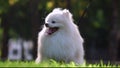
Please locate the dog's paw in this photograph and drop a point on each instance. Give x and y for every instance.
(38, 60)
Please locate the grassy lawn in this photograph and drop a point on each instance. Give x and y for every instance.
(51, 63)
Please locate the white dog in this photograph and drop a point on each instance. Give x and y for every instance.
(60, 39)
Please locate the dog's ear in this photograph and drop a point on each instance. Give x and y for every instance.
(66, 13)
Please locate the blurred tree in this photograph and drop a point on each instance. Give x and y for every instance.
(34, 19)
(68, 4)
(5, 26)
(4, 47)
(113, 38)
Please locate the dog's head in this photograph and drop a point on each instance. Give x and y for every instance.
(57, 19)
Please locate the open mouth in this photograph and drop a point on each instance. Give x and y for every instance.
(52, 30)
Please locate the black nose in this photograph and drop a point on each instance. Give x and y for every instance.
(47, 25)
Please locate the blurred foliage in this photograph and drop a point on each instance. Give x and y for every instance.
(96, 18)
(95, 25)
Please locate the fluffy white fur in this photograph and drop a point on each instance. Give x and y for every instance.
(66, 44)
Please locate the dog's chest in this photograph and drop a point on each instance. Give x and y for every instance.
(59, 46)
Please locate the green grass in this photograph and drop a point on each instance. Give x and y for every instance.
(51, 63)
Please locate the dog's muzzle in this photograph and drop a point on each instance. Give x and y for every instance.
(51, 30)
(47, 25)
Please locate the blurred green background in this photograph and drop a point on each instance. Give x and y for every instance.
(100, 26)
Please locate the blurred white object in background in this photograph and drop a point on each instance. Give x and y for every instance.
(28, 45)
(19, 49)
(14, 49)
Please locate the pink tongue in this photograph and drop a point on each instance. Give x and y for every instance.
(50, 31)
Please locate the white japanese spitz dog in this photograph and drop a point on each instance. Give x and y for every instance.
(60, 39)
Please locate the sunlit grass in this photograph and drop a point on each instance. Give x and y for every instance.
(51, 63)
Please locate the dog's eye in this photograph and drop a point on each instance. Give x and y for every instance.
(53, 22)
